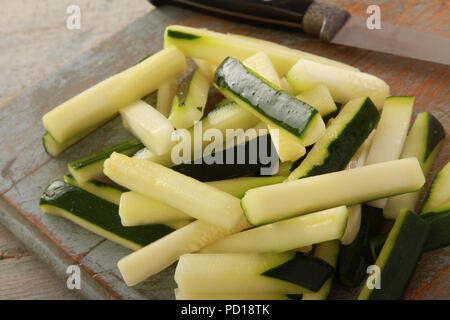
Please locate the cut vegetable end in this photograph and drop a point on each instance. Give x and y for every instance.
(149, 125)
(101, 102)
(91, 167)
(341, 140)
(402, 251)
(97, 215)
(179, 191)
(287, 234)
(272, 203)
(138, 266)
(268, 103)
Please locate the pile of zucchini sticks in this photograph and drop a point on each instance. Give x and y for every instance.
(320, 158)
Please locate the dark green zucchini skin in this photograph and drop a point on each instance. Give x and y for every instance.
(342, 149)
(99, 212)
(273, 103)
(436, 133)
(398, 267)
(128, 148)
(438, 237)
(205, 170)
(303, 269)
(357, 256)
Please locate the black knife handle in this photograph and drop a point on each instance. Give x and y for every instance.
(319, 19)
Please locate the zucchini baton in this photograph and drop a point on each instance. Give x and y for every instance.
(102, 101)
(341, 140)
(424, 142)
(97, 215)
(267, 102)
(391, 133)
(272, 203)
(91, 167)
(288, 272)
(286, 235)
(398, 258)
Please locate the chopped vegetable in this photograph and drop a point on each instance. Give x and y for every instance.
(272, 203)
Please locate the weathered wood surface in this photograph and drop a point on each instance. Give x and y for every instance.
(26, 169)
(35, 42)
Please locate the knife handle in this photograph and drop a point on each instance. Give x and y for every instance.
(319, 19)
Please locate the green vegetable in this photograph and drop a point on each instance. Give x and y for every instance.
(269, 103)
(341, 140)
(91, 167)
(398, 258)
(97, 215)
(288, 272)
(439, 193)
(286, 235)
(272, 203)
(424, 141)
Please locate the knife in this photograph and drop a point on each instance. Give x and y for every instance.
(331, 24)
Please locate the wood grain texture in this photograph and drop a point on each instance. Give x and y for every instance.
(26, 169)
(34, 42)
(34, 39)
(24, 276)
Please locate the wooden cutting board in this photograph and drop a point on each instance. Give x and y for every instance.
(25, 169)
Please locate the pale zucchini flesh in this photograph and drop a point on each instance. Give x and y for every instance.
(102, 190)
(136, 209)
(139, 265)
(286, 235)
(288, 148)
(186, 194)
(354, 211)
(228, 116)
(390, 136)
(267, 102)
(424, 142)
(91, 167)
(165, 95)
(272, 203)
(344, 85)
(215, 47)
(149, 126)
(229, 273)
(341, 140)
(320, 98)
(104, 100)
(189, 103)
(439, 192)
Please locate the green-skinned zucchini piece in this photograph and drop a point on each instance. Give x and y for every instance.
(286, 235)
(439, 193)
(348, 187)
(215, 47)
(289, 273)
(268, 102)
(101, 102)
(329, 252)
(424, 142)
(357, 256)
(398, 257)
(91, 167)
(97, 215)
(189, 101)
(341, 140)
(100, 189)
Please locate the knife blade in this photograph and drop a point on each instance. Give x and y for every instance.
(331, 24)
